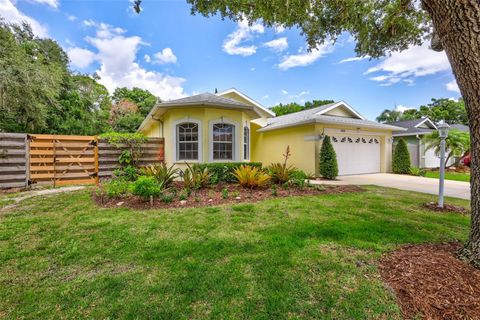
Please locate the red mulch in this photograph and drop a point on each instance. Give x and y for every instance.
(212, 196)
(446, 208)
(430, 282)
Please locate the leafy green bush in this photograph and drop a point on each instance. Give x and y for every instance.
(251, 177)
(146, 187)
(115, 188)
(222, 171)
(224, 193)
(163, 174)
(328, 166)
(167, 197)
(401, 158)
(415, 171)
(129, 173)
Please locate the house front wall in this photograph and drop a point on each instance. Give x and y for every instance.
(268, 147)
(166, 127)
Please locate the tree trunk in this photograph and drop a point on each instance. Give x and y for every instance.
(457, 23)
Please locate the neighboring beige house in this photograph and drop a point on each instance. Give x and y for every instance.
(230, 126)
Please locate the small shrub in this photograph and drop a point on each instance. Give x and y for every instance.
(299, 178)
(415, 171)
(328, 166)
(320, 187)
(401, 158)
(146, 187)
(163, 174)
(167, 197)
(274, 190)
(129, 173)
(251, 177)
(224, 193)
(235, 194)
(280, 172)
(184, 194)
(116, 188)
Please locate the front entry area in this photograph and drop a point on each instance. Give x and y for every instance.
(357, 154)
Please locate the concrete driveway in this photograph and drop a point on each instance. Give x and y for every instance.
(456, 189)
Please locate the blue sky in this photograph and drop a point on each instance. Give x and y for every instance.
(172, 53)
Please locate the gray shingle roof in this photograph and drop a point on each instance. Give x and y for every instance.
(205, 98)
(460, 127)
(311, 116)
(410, 125)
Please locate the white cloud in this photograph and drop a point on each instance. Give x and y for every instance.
(147, 58)
(11, 14)
(89, 23)
(402, 108)
(71, 17)
(284, 91)
(265, 97)
(352, 59)
(165, 56)
(277, 45)
(279, 29)
(117, 55)
(51, 3)
(416, 61)
(232, 44)
(296, 96)
(304, 58)
(80, 58)
(252, 69)
(453, 86)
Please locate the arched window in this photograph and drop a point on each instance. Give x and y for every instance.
(187, 141)
(223, 141)
(246, 143)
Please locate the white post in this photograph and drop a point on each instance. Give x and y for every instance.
(442, 173)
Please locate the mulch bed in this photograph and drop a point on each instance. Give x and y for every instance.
(430, 282)
(212, 196)
(447, 208)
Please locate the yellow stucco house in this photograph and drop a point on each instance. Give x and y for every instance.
(230, 126)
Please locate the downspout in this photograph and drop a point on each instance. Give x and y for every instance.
(419, 151)
(161, 131)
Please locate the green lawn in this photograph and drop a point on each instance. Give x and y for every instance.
(305, 257)
(457, 176)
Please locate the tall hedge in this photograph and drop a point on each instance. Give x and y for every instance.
(328, 160)
(401, 158)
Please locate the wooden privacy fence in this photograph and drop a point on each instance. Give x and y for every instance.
(63, 159)
(13, 160)
(152, 152)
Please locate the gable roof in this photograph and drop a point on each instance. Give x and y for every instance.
(244, 96)
(413, 127)
(318, 115)
(198, 100)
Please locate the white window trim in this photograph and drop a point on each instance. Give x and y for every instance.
(236, 138)
(200, 138)
(247, 125)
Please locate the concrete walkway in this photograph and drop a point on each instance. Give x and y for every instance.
(456, 189)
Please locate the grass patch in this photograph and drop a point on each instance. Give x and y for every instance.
(298, 257)
(456, 176)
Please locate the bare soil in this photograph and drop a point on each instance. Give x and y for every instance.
(447, 208)
(430, 282)
(213, 196)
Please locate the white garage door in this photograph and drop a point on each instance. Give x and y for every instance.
(357, 154)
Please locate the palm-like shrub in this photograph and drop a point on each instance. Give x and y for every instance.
(456, 143)
(328, 166)
(281, 173)
(195, 177)
(401, 158)
(163, 174)
(251, 177)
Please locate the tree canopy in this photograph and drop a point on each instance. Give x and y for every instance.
(452, 111)
(39, 94)
(282, 109)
